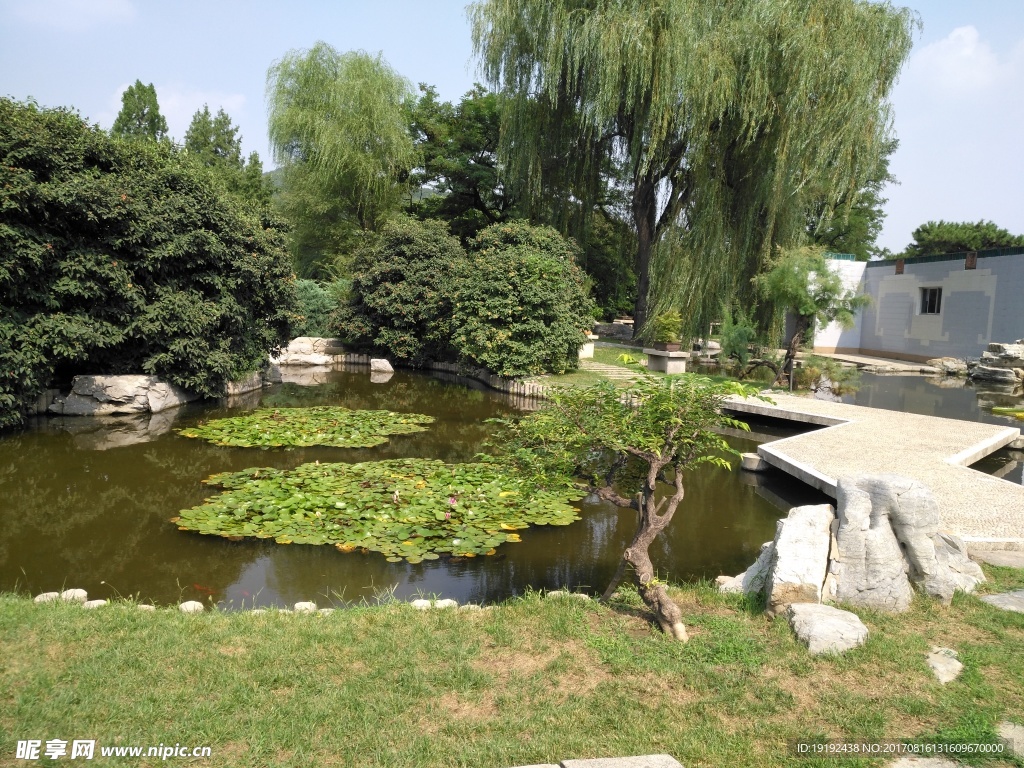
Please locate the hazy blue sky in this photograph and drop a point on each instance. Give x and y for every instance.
(959, 105)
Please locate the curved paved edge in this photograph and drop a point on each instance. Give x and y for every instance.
(987, 512)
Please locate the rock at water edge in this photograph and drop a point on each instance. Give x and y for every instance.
(90, 604)
(74, 595)
(800, 559)
(824, 629)
(752, 580)
(47, 597)
(191, 606)
(379, 365)
(307, 607)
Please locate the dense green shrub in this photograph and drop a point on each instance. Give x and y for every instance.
(401, 291)
(520, 305)
(318, 304)
(122, 257)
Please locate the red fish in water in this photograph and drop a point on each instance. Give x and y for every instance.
(204, 590)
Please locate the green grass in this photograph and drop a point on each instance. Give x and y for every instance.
(530, 681)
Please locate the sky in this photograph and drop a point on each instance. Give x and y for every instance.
(959, 104)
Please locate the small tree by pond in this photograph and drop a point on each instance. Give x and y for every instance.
(620, 444)
(801, 281)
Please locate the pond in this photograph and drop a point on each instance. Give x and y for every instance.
(88, 502)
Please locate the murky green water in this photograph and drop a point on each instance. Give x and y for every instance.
(86, 503)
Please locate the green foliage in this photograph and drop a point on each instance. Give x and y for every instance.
(303, 427)
(458, 181)
(410, 509)
(800, 280)
(665, 327)
(608, 256)
(737, 334)
(843, 378)
(591, 433)
(853, 223)
(317, 306)
(212, 141)
(520, 304)
(121, 257)
(402, 287)
(937, 237)
(339, 129)
(721, 117)
(140, 116)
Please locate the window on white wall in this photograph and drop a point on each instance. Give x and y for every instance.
(931, 301)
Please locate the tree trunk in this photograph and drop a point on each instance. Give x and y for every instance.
(802, 324)
(644, 210)
(653, 592)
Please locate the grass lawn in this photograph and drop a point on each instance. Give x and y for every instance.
(530, 681)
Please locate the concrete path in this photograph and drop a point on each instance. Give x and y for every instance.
(876, 364)
(615, 372)
(987, 512)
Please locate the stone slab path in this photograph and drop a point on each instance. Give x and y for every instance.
(987, 512)
(615, 372)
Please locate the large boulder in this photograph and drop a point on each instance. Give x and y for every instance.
(1001, 362)
(949, 366)
(888, 540)
(883, 541)
(114, 395)
(799, 559)
(310, 350)
(824, 629)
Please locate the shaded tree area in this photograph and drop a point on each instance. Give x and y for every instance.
(123, 257)
(937, 237)
(854, 222)
(720, 119)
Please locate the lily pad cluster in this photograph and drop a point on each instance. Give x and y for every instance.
(1017, 412)
(303, 427)
(406, 509)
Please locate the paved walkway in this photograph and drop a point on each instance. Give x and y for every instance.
(987, 512)
(876, 364)
(616, 372)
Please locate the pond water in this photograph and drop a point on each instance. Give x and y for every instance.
(87, 503)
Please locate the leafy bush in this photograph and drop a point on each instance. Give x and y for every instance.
(520, 305)
(317, 305)
(666, 327)
(122, 257)
(839, 378)
(737, 334)
(402, 284)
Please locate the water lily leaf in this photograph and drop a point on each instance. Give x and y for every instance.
(303, 427)
(353, 506)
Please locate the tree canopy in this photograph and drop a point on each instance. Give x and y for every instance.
(800, 281)
(719, 117)
(458, 180)
(213, 141)
(123, 257)
(937, 237)
(338, 127)
(140, 116)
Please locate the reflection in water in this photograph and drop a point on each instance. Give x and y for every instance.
(88, 503)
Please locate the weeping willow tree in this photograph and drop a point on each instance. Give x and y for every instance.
(719, 115)
(338, 128)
